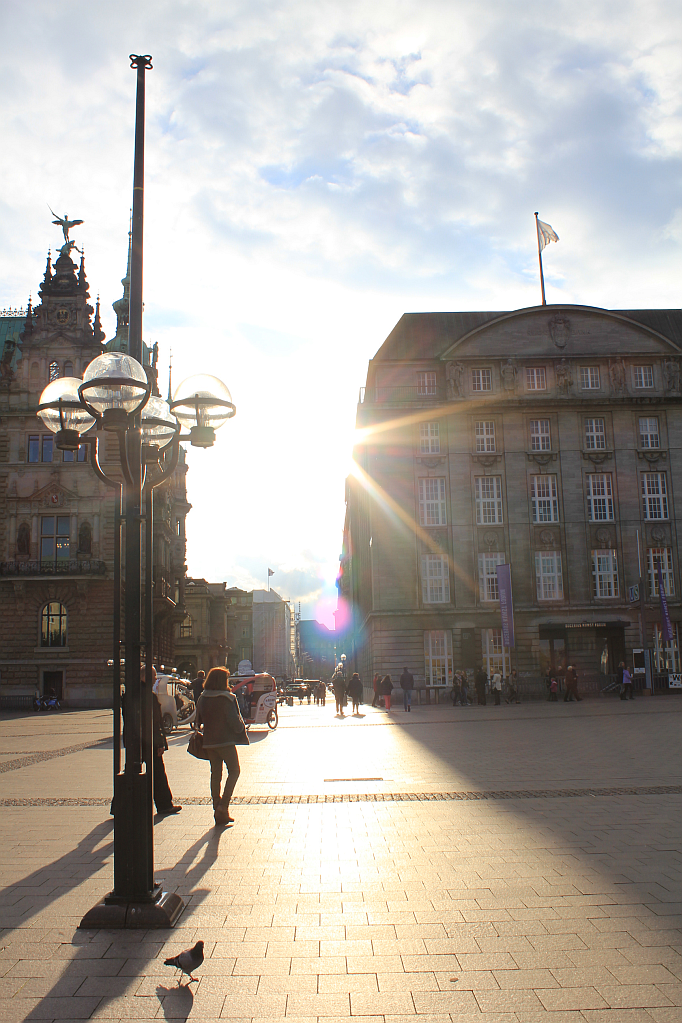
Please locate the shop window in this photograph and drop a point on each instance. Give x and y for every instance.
(666, 655)
(435, 579)
(437, 658)
(53, 624)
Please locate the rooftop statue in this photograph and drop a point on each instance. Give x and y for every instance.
(66, 226)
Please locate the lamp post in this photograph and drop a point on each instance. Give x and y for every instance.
(115, 396)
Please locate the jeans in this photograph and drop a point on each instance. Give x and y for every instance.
(407, 698)
(224, 755)
(162, 793)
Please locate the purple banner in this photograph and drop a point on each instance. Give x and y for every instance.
(666, 624)
(504, 587)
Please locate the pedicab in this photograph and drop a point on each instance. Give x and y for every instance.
(257, 697)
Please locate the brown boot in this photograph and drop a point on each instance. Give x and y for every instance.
(221, 815)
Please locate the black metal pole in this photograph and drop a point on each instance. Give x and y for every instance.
(147, 736)
(117, 635)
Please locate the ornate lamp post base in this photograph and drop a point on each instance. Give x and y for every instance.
(161, 910)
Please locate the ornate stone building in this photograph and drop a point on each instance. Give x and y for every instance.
(57, 518)
(548, 438)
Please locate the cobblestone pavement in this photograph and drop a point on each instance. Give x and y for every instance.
(518, 907)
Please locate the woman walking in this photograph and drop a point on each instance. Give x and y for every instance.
(355, 691)
(223, 729)
(386, 690)
(339, 684)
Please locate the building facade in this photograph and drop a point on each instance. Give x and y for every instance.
(57, 517)
(272, 634)
(547, 438)
(317, 645)
(201, 638)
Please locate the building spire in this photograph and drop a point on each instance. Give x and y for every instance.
(97, 331)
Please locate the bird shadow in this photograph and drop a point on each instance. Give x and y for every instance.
(177, 1002)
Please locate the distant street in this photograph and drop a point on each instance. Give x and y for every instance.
(561, 907)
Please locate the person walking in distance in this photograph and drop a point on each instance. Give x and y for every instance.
(376, 686)
(322, 693)
(339, 684)
(497, 687)
(571, 685)
(628, 687)
(407, 685)
(223, 730)
(355, 692)
(619, 679)
(386, 690)
(553, 690)
(163, 797)
(480, 681)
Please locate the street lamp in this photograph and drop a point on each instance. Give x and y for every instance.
(115, 396)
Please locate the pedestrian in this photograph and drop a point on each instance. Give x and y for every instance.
(355, 692)
(407, 685)
(376, 686)
(322, 693)
(619, 679)
(464, 688)
(386, 690)
(309, 692)
(497, 687)
(339, 684)
(513, 687)
(197, 685)
(223, 730)
(553, 689)
(629, 689)
(163, 797)
(455, 692)
(571, 685)
(480, 680)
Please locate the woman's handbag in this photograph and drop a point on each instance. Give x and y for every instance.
(195, 747)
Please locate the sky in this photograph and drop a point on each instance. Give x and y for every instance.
(315, 169)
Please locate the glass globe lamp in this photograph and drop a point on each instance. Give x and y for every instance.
(202, 404)
(114, 388)
(158, 424)
(63, 413)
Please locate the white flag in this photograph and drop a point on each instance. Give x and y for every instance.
(546, 234)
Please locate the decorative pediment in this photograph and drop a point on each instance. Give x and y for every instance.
(565, 330)
(54, 495)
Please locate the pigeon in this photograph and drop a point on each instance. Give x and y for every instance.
(189, 960)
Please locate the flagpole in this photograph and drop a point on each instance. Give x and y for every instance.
(542, 276)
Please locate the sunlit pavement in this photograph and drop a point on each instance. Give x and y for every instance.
(428, 873)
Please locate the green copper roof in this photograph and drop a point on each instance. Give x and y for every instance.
(10, 329)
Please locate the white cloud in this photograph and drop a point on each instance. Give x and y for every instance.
(315, 169)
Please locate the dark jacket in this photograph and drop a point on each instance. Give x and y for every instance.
(407, 680)
(218, 712)
(159, 740)
(355, 689)
(386, 686)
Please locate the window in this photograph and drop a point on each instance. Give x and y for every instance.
(589, 378)
(53, 622)
(437, 658)
(493, 652)
(667, 655)
(536, 379)
(664, 557)
(488, 493)
(599, 497)
(85, 539)
(484, 431)
(548, 578)
(543, 495)
(24, 539)
(649, 436)
(68, 369)
(481, 380)
(654, 495)
(540, 438)
(186, 628)
(432, 502)
(54, 539)
(644, 376)
(53, 371)
(595, 434)
(604, 574)
(83, 452)
(46, 447)
(34, 448)
(426, 383)
(487, 575)
(435, 579)
(40, 448)
(429, 438)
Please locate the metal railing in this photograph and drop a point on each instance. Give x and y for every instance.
(398, 395)
(70, 567)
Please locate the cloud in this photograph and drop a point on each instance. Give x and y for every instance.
(316, 169)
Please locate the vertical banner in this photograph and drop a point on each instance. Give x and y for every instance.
(504, 587)
(666, 624)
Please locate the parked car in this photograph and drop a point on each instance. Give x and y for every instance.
(177, 702)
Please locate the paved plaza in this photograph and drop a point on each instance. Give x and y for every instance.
(516, 864)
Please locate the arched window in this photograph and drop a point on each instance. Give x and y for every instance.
(85, 539)
(24, 539)
(68, 369)
(186, 628)
(53, 624)
(54, 371)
